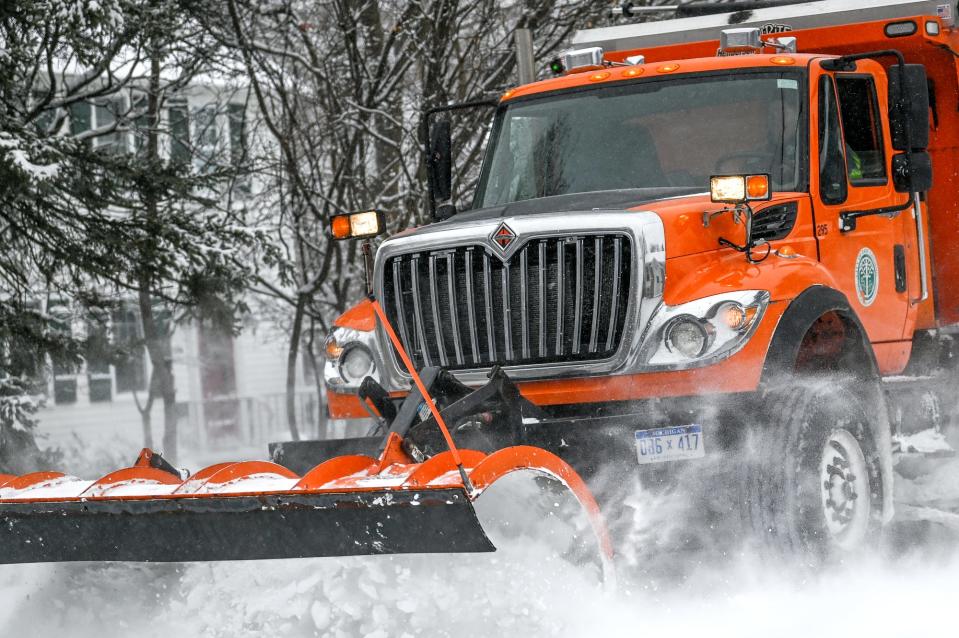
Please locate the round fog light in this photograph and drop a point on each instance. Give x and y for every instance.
(356, 363)
(687, 336)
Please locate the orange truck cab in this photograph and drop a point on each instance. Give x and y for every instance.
(719, 234)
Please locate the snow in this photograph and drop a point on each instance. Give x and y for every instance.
(670, 583)
(64, 487)
(467, 596)
(925, 441)
(264, 482)
(133, 487)
(20, 159)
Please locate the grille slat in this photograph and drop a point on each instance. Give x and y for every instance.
(614, 297)
(542, 298)
(400, 308)
(454, 307)
(560, 286)
(570, 305)
(578, 298)
(597, 287)
(524, 300)
(471, 307)
(435, 304)
(424, 349)
(488, 296)
(507, 315)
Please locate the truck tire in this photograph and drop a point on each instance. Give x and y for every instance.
(812, 487)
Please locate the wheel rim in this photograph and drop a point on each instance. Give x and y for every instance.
(844, 481)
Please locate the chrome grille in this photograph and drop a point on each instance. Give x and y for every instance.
(554, 300)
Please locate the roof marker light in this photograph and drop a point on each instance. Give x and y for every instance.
(599, 77)
(508, 94)
(900, 29)
(782, 59)
(667, 68)
(636, 71)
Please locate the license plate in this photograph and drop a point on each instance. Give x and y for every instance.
(670, 444)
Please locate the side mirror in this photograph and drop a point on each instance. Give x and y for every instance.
(439, 166)
(912, 172)
(909, 107)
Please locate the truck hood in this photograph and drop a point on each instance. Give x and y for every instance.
(681, 210)
(625, 199)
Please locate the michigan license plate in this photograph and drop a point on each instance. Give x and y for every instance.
(670, 444)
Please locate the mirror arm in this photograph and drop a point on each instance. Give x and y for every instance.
(847, 218)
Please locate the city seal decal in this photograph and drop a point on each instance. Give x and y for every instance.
(867, 277)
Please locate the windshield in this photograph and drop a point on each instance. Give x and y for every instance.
(652, 134)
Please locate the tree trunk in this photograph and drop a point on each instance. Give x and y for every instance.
(317, 368)
(170, 421)
(157, 347)
(291, 366)
(146, 411)
(146, 422)
(157, 338)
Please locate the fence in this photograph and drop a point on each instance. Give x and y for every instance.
(224, 421)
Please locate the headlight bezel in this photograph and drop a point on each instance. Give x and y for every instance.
(723, 340)
(342, 341)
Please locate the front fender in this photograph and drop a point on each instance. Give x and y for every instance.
(696, 276)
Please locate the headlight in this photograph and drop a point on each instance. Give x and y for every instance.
(356, 363)
(349, 359)
(703, 331)
(687, 336)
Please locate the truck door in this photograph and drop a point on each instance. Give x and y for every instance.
(851, 171)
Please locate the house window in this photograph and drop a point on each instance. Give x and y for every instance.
(141, 122)
(207, 138)
(64, 371)
(236, 115)
(81, 119)
(45, 119)
(97, 356)
(179, 122)
(85, 117)
(106, 113)
(130, 364)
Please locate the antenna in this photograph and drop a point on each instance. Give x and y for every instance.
(694, 9)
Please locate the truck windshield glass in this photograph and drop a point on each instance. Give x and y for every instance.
(653, 134)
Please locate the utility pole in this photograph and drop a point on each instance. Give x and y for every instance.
(523, 40)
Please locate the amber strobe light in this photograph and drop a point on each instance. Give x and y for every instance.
(369, 223)
(735, 189)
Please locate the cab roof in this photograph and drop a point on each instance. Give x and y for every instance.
(611, 74)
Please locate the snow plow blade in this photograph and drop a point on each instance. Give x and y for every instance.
(344, 506)
(378, 501)
(241, 527)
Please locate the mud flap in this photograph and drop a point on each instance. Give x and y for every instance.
(241, 527)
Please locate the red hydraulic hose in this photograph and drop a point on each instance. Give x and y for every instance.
(422, 388)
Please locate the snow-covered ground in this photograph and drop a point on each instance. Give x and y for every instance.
(470, 596)
(906, 588)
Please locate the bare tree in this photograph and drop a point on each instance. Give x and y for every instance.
(341, 88)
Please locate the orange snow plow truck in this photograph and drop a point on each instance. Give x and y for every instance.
(730, 235)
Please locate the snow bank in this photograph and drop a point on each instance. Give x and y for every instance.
(466, 596)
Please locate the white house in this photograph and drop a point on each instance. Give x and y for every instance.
(230, 390)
